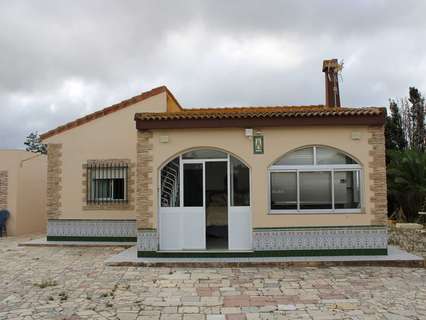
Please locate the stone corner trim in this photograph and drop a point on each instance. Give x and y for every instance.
(54, 180)
(129, 205)
(3, 189)
(144, 189)
(377, 167)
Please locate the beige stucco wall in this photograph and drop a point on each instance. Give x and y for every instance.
(110, 137)
(277, 141)
(32, 195)
(26, 190)
(172, 105)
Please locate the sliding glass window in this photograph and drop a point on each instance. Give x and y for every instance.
(315, 179)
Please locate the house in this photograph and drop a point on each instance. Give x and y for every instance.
(278, 180)
(23, 191)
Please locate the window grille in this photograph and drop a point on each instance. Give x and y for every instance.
(107, 183)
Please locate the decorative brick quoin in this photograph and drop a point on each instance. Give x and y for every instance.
(144, 191)
(378, 174)
(3, 189)
(54, 180)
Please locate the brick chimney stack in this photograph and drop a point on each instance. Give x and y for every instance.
(331, 69)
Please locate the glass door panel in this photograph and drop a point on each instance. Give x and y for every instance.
(239, 211)
(193, 185)
(193, 217)
(216, 186)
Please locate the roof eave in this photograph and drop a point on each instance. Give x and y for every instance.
(325, 120)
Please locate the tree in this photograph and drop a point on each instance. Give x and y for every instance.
(405, 156)
(394, 132)
(34, 144)
(407, 181)
(418, 119)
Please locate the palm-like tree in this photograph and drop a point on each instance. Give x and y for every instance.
(406, 175)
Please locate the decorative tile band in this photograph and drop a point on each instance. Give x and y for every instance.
(91, 228)
(320, 239)
(147, 240)
(300, 239)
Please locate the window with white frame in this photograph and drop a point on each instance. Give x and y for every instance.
(315, 179)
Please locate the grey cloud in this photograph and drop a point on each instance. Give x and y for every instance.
(62, 59)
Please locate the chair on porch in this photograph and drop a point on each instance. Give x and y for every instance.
(4, 215)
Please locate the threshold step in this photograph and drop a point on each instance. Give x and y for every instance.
(204, 251)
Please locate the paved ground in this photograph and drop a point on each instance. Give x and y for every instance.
(74, 283)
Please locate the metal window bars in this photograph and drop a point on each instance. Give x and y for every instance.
(170, 184)
(107, 182)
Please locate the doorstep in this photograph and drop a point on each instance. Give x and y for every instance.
(395, 258)
(42, 242)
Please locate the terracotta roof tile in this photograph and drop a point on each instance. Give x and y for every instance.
(260, 113)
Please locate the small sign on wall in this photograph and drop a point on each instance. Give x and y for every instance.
(164, 139)
(258, 145)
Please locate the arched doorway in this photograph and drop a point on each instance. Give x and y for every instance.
(205, 202)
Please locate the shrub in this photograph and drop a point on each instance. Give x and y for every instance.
(406, 179)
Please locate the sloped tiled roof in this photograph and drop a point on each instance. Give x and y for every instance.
(272, 116)
(235, 113)
(116, 107)
(260, 113)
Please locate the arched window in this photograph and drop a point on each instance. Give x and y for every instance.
(315, 179)
(185, 172)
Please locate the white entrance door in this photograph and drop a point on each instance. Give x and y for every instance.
(239, 210)
(193, 229)
(170, 227)
(184, 228)
(239, 226)
(193, 211)
(182, 212)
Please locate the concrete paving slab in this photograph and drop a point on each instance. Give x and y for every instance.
(74, 283)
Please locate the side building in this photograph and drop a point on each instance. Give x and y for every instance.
(23, 178)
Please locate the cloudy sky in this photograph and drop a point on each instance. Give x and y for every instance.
(62, 59)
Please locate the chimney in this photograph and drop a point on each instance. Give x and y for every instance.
(331, 69)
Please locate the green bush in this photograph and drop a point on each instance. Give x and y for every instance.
(406, 180)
